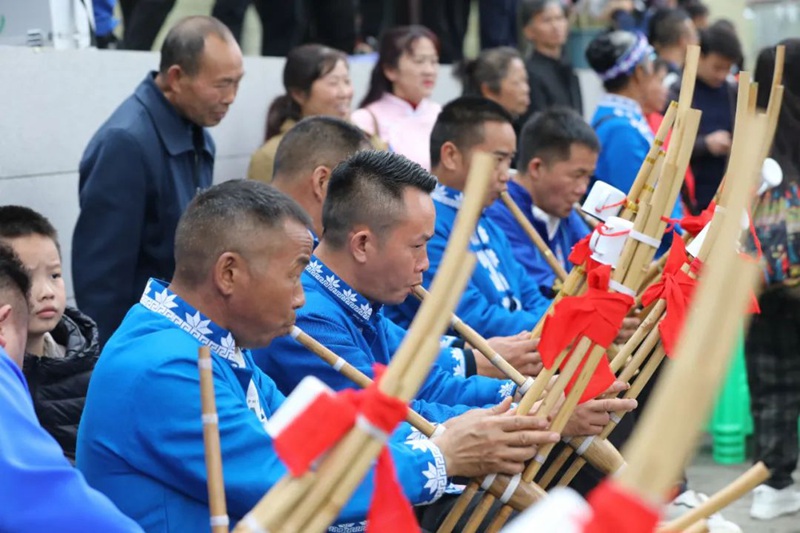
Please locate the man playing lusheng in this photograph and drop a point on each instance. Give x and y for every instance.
(500, 298)
(240, 249)
(558, 153)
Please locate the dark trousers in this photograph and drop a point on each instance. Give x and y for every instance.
(448, 20)
(773, 373)
(279, 22)
(142, 20)
(498, 23)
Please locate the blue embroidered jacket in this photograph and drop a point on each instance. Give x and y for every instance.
(141, 439)
(356, 330)
(500, 298)
(568, 232)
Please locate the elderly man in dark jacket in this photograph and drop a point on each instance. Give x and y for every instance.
(145, 164)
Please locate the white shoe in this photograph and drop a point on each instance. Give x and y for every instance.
(769, 503)
(688, 500)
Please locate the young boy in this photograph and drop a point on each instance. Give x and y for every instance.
(62, 345)
(40, 490)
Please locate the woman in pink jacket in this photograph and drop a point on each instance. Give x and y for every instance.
(397, 106)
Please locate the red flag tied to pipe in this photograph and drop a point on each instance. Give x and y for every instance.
(676, 288)
(326, 420)
(596, 314)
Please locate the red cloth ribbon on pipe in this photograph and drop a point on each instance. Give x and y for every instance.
(580, 251)
(677, 288)
(329, 418)
(607, 501)
(694, 224)
(596, 314)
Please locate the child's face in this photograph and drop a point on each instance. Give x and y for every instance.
(48, 296)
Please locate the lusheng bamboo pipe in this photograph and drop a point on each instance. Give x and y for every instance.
(525, 495)
(481, 344)
(552, 261)
(740, 486)
(667, 433)
(216, 484)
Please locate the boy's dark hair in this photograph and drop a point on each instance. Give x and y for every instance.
(222, 218)
(314, 141)
(718, 40)
(461, 123)
(367, 189)
(667, 26)
(185, 41)
(530, 8)
(14, 277)
(19, 221)
(549, 135)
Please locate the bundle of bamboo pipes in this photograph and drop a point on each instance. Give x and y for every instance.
(635, 348)
(655, 201)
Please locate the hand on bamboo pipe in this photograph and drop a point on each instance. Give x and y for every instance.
(488, 441)
(519, 350)
(629, 326)
(589, 418)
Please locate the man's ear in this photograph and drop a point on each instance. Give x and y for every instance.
(535, 167)
(5, 316)
(227, 272)
(319, 182)
(173, 78)
(450, 157)
(360, 242)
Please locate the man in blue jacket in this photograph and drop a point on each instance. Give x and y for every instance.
(240, 249)
(145, 164)
(40, 490)
(500, 298)
(558, 153)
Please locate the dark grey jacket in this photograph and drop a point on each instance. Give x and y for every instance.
(58, 385)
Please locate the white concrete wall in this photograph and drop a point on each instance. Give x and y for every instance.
(51, 102)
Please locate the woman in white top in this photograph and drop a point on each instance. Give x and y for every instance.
(398, 106)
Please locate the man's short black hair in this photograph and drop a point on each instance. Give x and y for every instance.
(15, 283)
(667, 26)
(717, 39)
(696, 9)
(185, 41)
(461, 123)
(20, 221)
(549, 135)
(224, 218)
(315, 141)
(367, 189)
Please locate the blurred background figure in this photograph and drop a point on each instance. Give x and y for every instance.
(317, 82)
(773, 345)
(551, 77)
(715, 96)
(499, 75)
(397, 107)
(671, 32)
